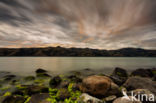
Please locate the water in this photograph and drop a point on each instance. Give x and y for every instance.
(27, 65)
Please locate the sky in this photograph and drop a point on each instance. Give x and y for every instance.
(100, 24)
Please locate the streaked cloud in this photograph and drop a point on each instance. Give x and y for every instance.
(103, 24)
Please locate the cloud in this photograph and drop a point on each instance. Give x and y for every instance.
(103, 24)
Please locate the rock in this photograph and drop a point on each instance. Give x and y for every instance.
(14, 99)
(114, 90)
(140, 83)
(75, 87)
(9, 77)
(97, 86)
(142, 73)
(63, 94)
(54, 82)
(64, 84)
(74, 78)
(119, 76)
(37, 89)
(148, 96)
(120, 72)
(85, 98)
(34, 89)
(39, 98)
(40, 70)
(42, 75)
(3, 73)
(18, 92)
(29, 78)
(125, 100)
(110, 99)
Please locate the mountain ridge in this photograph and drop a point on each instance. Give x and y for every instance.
(77, 52)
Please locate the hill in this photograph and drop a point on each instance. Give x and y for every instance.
(77, 52)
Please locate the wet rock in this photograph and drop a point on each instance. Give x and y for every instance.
(42, 75)
(113, 90)
(75, 87)
(39, 98)
(18, 92)
(98, 86)
(119, 76)
(143, 95)
(110, 99)
(9, 77)
(74, 78)
(142, 73)
(140, 83)
(40, 70)
(14, 99)
(125, 100)
(55, 81)
(34, 89)
(29, 78)
(63, 94)
(64, 84)
(85, 98)
(3, 73)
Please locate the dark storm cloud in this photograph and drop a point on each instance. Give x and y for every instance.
(107, 24)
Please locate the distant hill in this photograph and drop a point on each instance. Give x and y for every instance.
(77, 52)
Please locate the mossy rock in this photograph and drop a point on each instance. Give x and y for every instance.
(29, 78)
(63, 94)
(14, 99)
(54, 82)
(42, 75)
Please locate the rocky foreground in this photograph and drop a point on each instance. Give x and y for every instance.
(80, 87)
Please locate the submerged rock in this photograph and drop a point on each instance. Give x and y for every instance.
(85, 98)
(140, 83)
(119, 76)
(98, 86)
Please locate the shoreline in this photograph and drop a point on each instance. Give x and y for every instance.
(26, 88)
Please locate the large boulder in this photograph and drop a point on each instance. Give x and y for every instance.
(85, 98)
(98, 86)
(140, 83)
(119, 76)
(125, 100)
(142, 73)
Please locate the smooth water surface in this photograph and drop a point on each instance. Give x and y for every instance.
(27, 65)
